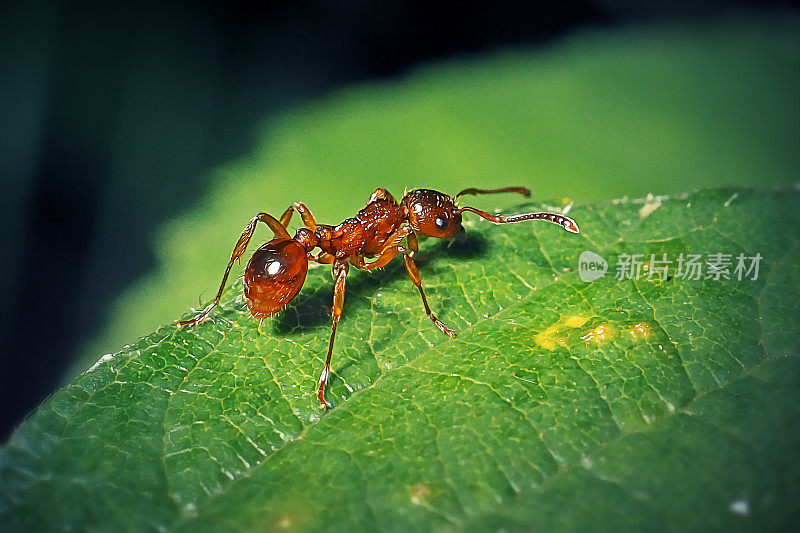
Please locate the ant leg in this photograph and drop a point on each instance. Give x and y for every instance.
(519, 190)
(561, 220)
(411, 268)
(323, 258)
(383, 259)
(387, 255)
(286, 217)
(340, 269)
(277, 228)
(305, 213)
(390, 249)
(381, 194)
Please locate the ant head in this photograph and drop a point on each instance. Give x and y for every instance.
(432, 213)
(274, 276)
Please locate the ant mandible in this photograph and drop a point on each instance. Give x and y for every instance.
(277, 270)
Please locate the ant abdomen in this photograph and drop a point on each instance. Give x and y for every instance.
(274, 276)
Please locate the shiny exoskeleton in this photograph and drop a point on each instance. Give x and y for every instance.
(380, 231)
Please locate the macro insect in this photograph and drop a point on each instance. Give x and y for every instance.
(383, 229)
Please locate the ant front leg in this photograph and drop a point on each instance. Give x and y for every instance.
(340, 269)
(390, 249)
(241, 245)
(411, 268)
(393, 248)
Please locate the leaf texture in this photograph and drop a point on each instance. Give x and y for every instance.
(633, 403)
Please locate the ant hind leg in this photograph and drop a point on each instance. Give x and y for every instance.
(241, 245)
(305, 214)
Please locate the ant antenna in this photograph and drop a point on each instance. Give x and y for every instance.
(560, 220)
(519, 190)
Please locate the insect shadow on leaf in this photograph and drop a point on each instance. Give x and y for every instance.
(312, 309)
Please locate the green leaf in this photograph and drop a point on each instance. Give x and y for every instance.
(644, 403)
(597, 115)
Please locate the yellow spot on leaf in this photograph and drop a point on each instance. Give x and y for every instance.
(640, 330)
(601, 333)
(575, 321)
(551, 337)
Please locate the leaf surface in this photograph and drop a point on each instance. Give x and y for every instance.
(596, 115)
(642, 403)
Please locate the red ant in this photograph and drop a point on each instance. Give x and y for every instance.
(277, 270)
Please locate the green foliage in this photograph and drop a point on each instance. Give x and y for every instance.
(642, 404)
(598, 115)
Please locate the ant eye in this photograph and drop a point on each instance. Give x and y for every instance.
(441, 222)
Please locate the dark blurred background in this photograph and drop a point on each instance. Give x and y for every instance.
(111, 115)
